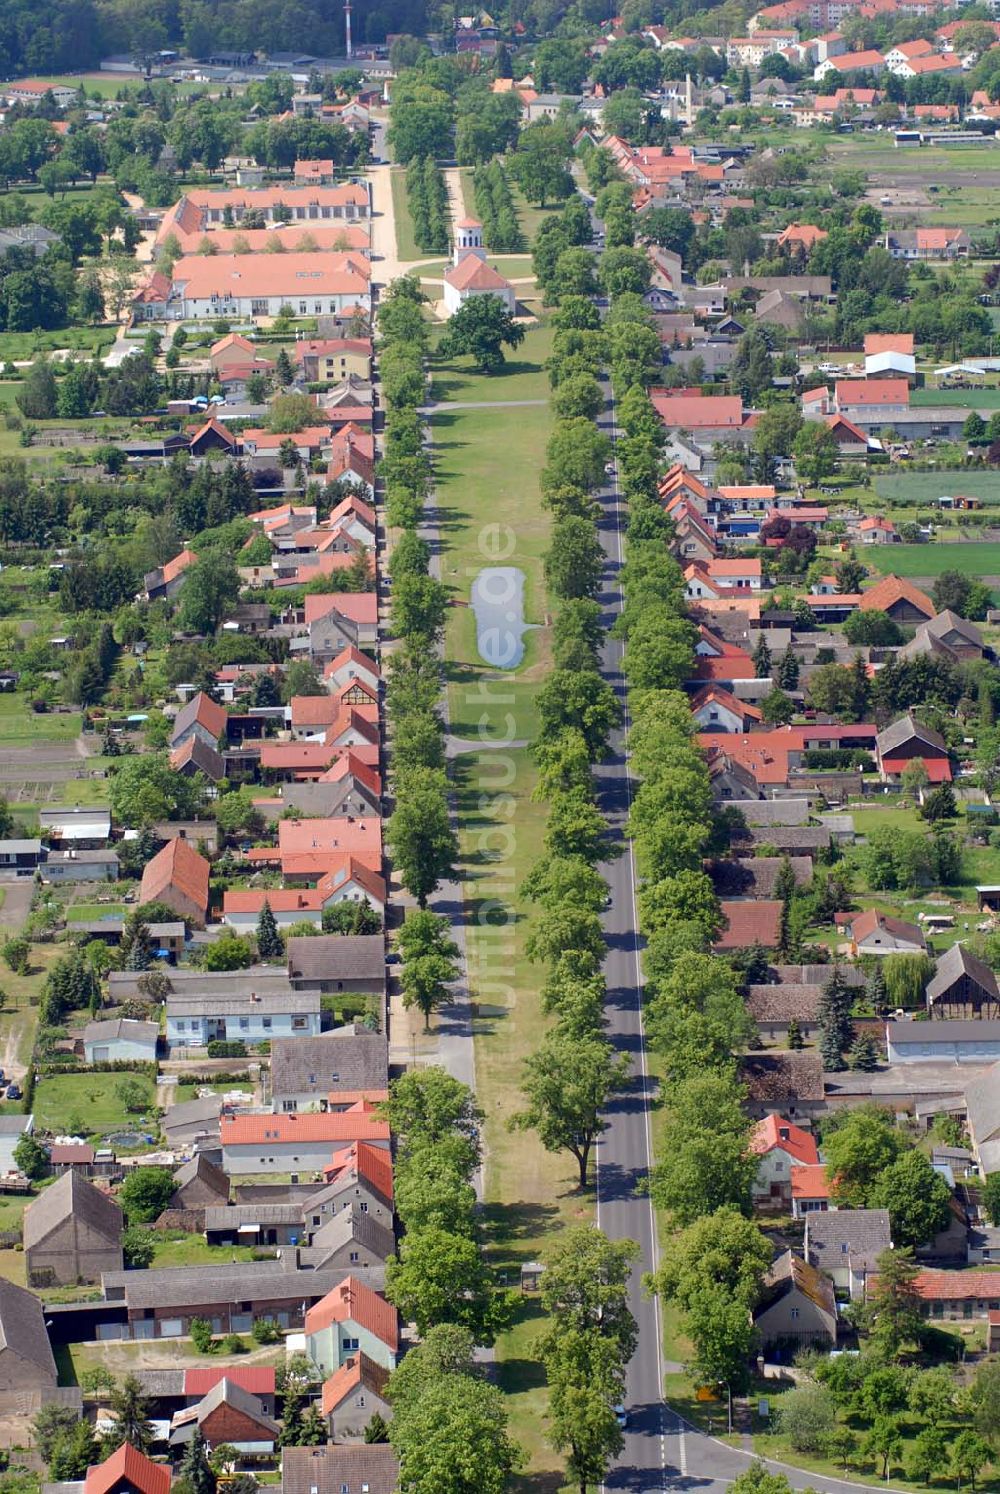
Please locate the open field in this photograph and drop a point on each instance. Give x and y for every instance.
(89, 1103)
(18, 723)
(977, 399)
(972, 557)
(927, 487)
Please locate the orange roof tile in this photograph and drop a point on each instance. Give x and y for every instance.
(473, 273)
(128, 1463)
(178, 565)
(892, 589)
(358, 1123)
(810, 1181)
(364, 1162)
(178, 866)
(745, 924)
(873, 392)
(204, 275)
(353, 1302)
(773, 1133)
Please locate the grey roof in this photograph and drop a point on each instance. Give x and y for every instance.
(22, 1327)
(776, 1078)
(76, 822)
(864, 1232)
(200, 1168)
(117, 926)
(14, 1125)
(339, 1466)
(253, 999)
(352, 1225)
(126, 1028)
(20, 847)
(950, 622)
(208, 760)
(100, 857)
(784, 837)
(208, 985)
(71, 1196)
(231, 1216)
(318, 799)
(952, 965)
(229, 1393)
(770, 811)
(192, 1113)
(191, 1286)
(755, 876)
(783, 1003)
(956, 1031)
(818, 975)
(337, 957)
(321, 1065)
(905, 730)
(156, 1383)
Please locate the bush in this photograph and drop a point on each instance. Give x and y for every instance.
(265, 1331)
(201, 1335)
(217, 1048)
(234, 1344)
(807, 1417)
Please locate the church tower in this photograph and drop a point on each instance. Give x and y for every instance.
(469, 239)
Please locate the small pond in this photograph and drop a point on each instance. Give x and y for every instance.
(497, 599)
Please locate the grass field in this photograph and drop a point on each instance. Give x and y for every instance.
(191, 1250)
(487, 464)
(90, 1100)
(976, 399)
(927, 487)
(972, 557)
(19, 724)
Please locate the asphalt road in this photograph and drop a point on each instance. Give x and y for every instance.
(625, 1150)
(661, 1452)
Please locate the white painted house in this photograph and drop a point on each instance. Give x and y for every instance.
(470, 275)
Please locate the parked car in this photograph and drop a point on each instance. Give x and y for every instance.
(13, 1092)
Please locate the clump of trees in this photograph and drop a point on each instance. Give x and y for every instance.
(427, 196)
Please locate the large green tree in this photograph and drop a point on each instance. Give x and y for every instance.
(482, 328)
(567, 1083)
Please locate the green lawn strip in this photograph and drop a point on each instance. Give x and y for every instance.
(486, 467)
(468, 191)
(975, 399)
(406, 244)
(89, 912)
(19, 1006)
(769, 1444)
(522, 376)
(92, 1101)
(529, 1192)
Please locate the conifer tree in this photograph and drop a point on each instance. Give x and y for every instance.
(270, 944)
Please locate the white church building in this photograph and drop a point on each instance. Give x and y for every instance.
(470, 275)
